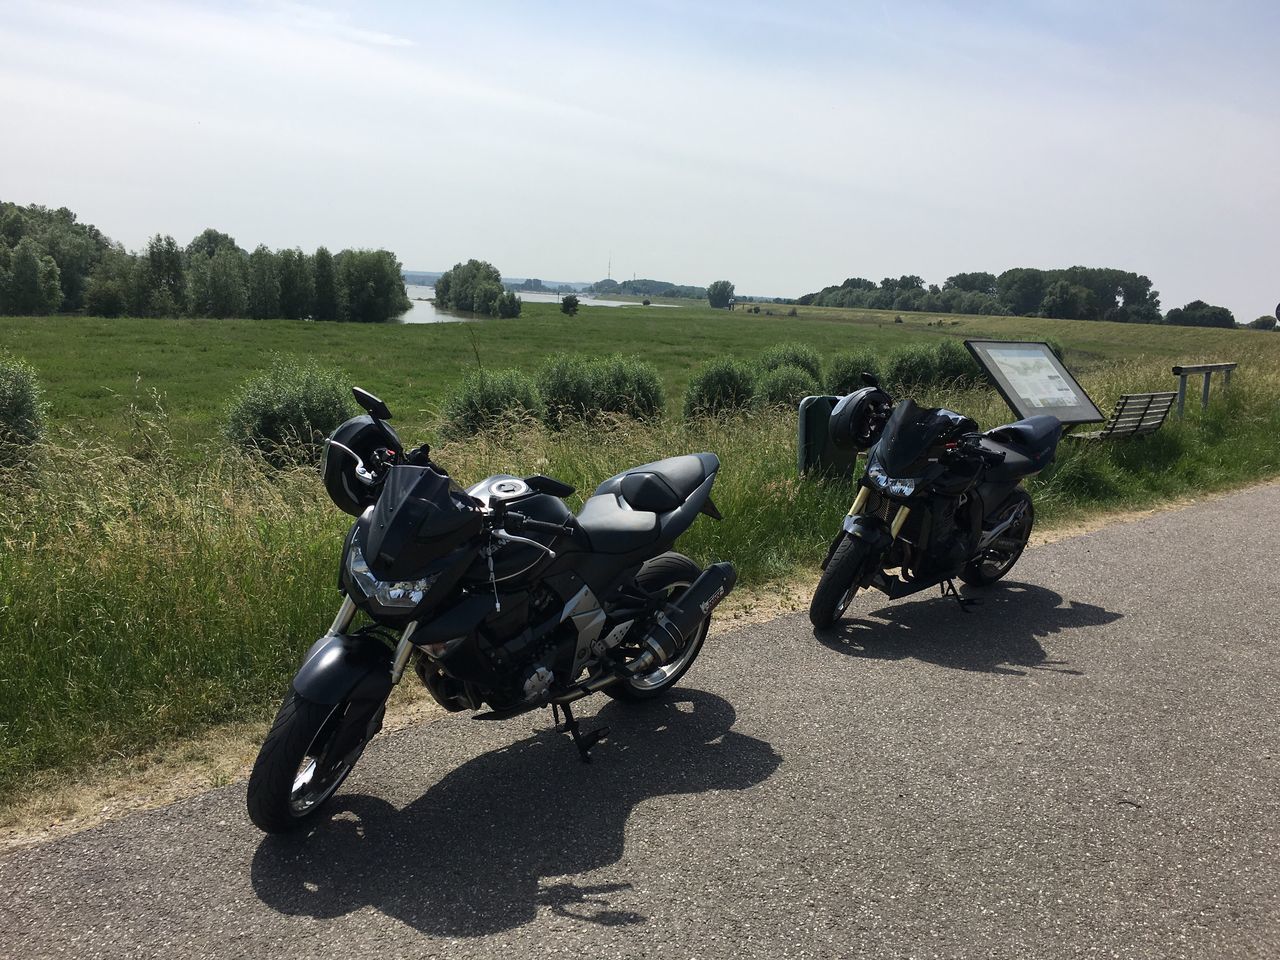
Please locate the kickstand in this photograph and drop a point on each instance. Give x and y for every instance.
(949, 590)
(583, 741)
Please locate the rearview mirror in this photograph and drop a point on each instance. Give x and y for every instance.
(870, 380)
(371, 404)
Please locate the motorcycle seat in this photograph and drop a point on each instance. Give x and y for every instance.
(1028, 445)
(632, 509)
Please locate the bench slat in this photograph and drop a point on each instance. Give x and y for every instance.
(1135, 415)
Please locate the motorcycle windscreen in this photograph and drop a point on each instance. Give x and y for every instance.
(420, 516)
(911, 433)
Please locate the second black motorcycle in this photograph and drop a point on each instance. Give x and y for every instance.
(498, 597)
(938, 499)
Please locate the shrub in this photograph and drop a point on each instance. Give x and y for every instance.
(569, 304)
(507, 305)
(629, 386)
(576, 388)
(564, 384)
(786, 386)
(21, 402)
(287, 411)
(845, 370)
(793, 355)
(491, 399)
(719, 387)
(913, 365)
(953, 361)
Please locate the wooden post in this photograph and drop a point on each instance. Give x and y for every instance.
(1204, 396)
(1226, 379)
(1182, 393)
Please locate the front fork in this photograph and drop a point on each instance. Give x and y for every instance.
(860, 504)
(404, 649)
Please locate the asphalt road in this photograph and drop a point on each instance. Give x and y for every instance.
(1085, 766)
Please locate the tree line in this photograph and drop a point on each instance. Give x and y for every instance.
(1075, 293)
(51, 263)
(648, 288)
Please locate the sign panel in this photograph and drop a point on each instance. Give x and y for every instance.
(1033, 381)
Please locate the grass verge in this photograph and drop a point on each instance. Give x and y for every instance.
(144, 599)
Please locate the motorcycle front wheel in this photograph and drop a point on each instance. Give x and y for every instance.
(839, 582)
(296, 770)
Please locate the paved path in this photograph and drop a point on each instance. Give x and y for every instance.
(1085, 766)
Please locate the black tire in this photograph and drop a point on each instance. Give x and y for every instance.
(301, 732)
(999, 559)
(838, 583)
(672, 573)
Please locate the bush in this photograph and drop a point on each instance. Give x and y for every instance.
(286, 412)
(507, 305)
(576, 388)
(845, 371)
(719, 387)
(21, 402)
(786, 386)
(569, 304)
(793, 355)
(911, 366)
(491, 399)
(629, 386)
(954, 362)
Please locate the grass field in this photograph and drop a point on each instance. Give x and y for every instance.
(152, 583)
(96, 369)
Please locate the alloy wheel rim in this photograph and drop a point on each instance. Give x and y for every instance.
(306, 794)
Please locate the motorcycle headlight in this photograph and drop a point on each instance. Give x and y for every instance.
(391, 594)
(901, 488)
(891, 486)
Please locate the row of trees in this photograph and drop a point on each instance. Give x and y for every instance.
(1076, 293)
(647, 288)
(49, 262)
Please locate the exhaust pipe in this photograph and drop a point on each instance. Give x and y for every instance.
(678, 622)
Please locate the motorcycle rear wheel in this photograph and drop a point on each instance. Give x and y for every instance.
(669, 574)
(294, 774)
(998, 559)
(839, 582)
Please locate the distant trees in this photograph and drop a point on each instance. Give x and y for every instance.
(370, 286)
(1078, 293)
(1197, 313)
(324, 285)
(476, 286)
(1265, 322)
(30, 281)
(49, 262)
(720, 293)
(648, 288)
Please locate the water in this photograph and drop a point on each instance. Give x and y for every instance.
(424, 311)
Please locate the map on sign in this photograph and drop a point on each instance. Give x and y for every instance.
(1033, 380)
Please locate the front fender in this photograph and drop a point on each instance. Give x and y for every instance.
(340, 667)
(873, 530)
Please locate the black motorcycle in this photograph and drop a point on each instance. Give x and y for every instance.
(497, 596)
(938, 500)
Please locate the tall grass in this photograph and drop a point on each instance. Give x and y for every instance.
(143, 598)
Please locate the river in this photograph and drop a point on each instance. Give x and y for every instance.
(424, 311)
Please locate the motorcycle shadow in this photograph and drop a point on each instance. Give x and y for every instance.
(999, 635)
(466, 858)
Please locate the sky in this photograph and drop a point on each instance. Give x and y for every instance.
(783, 146)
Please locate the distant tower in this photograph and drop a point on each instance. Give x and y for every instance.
(610, 273)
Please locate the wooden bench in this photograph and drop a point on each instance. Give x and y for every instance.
(1136, 415)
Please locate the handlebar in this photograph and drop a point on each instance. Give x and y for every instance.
(512, 521)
